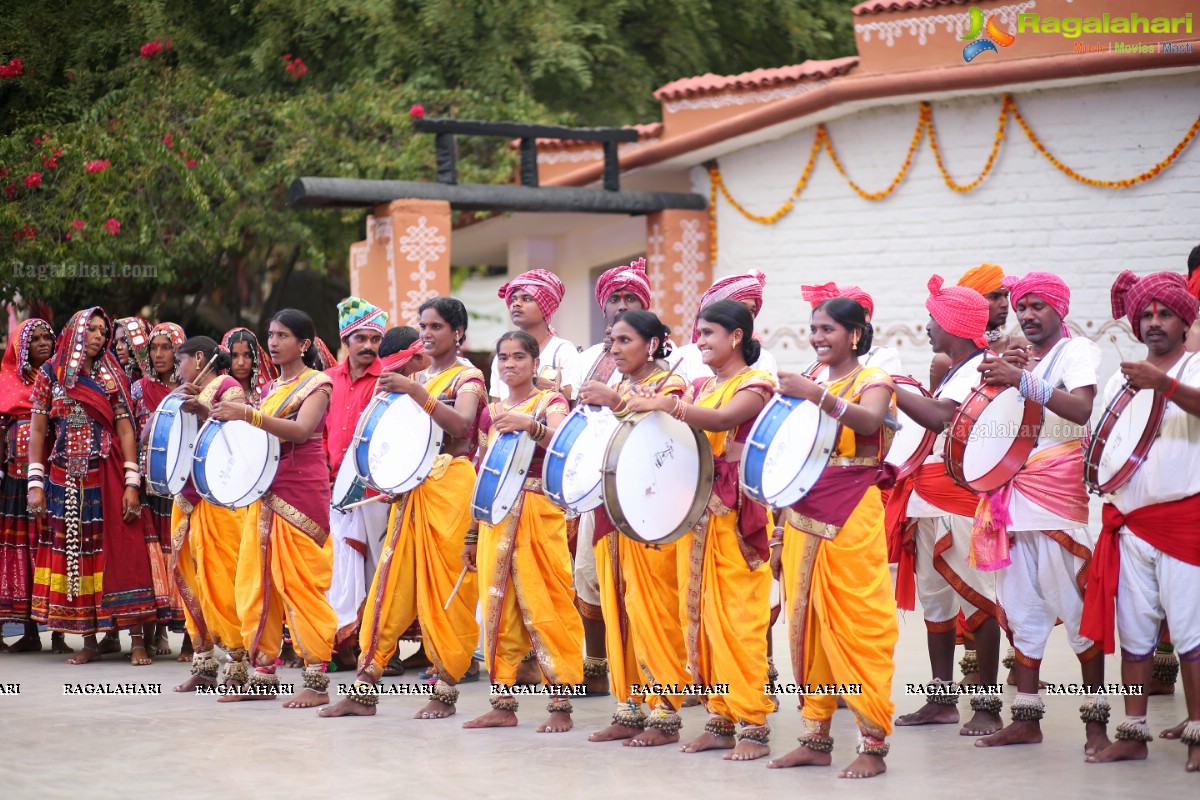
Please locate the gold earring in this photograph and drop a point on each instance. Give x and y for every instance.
(854, 344)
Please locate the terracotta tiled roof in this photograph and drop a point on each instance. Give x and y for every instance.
(880, 6)
(649, 130)
(758, 79)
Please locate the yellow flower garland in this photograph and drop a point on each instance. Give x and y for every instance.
(925, 125)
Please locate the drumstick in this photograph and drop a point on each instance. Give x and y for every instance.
(374, 499)
(658, 387)
(461, 577)
(1112, 337)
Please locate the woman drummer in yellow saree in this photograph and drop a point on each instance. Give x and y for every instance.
(842, 610)
(639, 588)
(524, 563)
(421, 559)
(285, 562)
(724, 579)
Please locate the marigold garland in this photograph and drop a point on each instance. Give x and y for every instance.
(925, 126)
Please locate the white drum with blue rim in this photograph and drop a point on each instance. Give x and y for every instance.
(169, 446)
(571, 478)
(347, 487)
(787, 450)
(235, 463)
(394, 444)
(502, 476)
(658, 475)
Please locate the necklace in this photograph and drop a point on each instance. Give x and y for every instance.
(993, 336)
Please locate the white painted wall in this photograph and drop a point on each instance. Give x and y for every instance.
(1026, 216)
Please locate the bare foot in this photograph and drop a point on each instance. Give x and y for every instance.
(557, 722)
(1123, 750)
(616, 732)
(247, 693)
(308, 699)
(1097, 738)
(707, 741)
(1193, 762)
(162, 643)
(111, 643)
(347, 708)
(26, 644)
(1173, 733)
(530, 674)
(801, 757)
(191, 683)
(288, 657)
(84, 656)
(1023, 731)
(651, 737)
(493, 719)
(138, 656)
(747, 750)
(58, 644)
(436, 709)
(865, 766)
(984, 723)
(690, 702)
(930, 714)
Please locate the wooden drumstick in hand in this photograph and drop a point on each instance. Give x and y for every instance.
(461, 577)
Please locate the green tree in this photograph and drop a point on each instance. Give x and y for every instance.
(195, 117)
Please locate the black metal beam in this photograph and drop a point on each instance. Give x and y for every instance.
(312, 192)
(529, 167)
(612, 167)
(447, 158)
(517, 130)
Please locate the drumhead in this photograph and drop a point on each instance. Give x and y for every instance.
(395, 444)
(575, 458)
(993, 434)
(797, 453)
(347, 487)
(1122, 439)
(658, 475)
(235, 462)
(912, 443)
(502, 476)
(170, 446)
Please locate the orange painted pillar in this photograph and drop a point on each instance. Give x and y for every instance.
(677, 262)
(405, 259)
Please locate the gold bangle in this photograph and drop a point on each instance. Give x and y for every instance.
(245, 413)
(256, 418)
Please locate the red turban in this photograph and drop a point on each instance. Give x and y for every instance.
(1194, 284)
(402, 357)
(1131, 294)
(819, 294)
(546, 288)
(624, 279)
(747, 286)
(960, 311)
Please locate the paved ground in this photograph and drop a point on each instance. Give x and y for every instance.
(183, 746)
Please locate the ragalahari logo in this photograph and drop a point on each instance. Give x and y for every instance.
(978, 43)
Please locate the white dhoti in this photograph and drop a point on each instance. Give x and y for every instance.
(1044, 584)
(952, 585)
(1155, 587)
(357, 542)
(587, 584)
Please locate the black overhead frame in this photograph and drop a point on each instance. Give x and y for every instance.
(444, 131)
(313, 192)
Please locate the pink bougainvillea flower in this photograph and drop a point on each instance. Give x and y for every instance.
(33, 180)
(12, 69)
(98, 165)
(169, 140)
(191, 163)
(417, 111)
(11, 190)
(50, 163)
(78, 224)
(27, 232)
(150, 49)
(295, 67)
(112, 226)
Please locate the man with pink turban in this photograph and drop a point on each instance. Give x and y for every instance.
(1043, 509)
(532, 298)
(618, 289)
(747, 289)
(932, 517)
(1145, 571)
(880, 355)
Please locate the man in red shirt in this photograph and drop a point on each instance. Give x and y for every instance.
(357, 532)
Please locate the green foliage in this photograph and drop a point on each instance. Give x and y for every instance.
(205, 135)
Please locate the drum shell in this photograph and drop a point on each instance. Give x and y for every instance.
(162, 478)
(756, 453)
(1119, 406)
(704, 482)
(502, 476)
(959, 437)
(917, 458)
(347, 487)
(559, 453)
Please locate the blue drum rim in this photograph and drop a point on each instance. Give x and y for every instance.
(552, 472)
(754, 457)
(505, 446)
(159, 439)
(362, 443)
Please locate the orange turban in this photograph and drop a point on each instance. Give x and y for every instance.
(984, 279)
